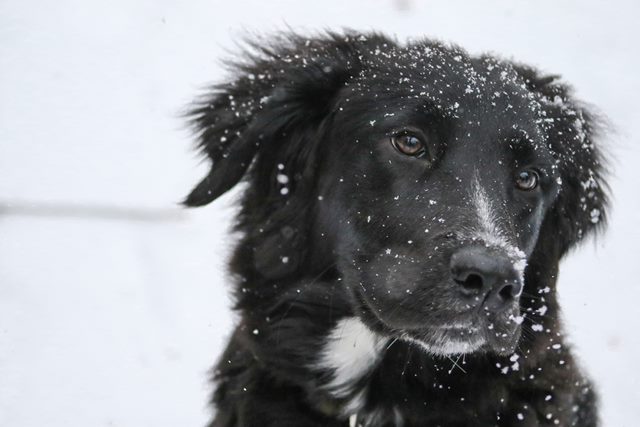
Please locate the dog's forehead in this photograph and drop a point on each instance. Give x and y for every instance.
(449, 78)
(484, 95)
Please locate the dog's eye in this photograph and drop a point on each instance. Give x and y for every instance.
(527, 180)
(409, 144)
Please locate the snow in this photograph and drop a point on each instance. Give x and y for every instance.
(109, 320)
(282, 178)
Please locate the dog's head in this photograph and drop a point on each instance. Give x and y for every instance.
(438, 185)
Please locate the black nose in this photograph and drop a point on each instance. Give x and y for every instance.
(487, 276)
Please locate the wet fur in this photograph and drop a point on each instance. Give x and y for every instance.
(279, 108)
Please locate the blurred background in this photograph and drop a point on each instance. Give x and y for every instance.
(113, 300)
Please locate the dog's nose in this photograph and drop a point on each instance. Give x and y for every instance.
(488, 276)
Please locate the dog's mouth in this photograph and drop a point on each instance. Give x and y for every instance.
(475, 333)
(453, 340)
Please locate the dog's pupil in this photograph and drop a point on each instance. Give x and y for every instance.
(411, 143)
(527, 180)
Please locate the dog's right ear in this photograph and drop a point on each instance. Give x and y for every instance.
(574, 135)
(279, 88)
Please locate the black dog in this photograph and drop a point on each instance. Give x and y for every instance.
(405, 212)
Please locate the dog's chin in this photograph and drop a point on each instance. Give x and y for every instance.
(478, 335)
(446, 341)
(499, 338)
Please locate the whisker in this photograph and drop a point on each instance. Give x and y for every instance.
(455, 364)
(409, 352)
(392, 343)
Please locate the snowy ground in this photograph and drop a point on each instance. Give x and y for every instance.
(112, 317)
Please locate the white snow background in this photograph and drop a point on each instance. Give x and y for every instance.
(112, 315)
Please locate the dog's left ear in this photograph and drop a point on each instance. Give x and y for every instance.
(573, 134)
(266, 125)
(281, 89)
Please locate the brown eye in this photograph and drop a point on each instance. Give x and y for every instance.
(409, 144)
(527, 180)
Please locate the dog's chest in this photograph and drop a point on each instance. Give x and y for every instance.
(350, 353)
(348, 357)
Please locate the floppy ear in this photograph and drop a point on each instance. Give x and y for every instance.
(280, 88)
(573, 134)
(266, 126)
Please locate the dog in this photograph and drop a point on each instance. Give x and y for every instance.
(405, 211)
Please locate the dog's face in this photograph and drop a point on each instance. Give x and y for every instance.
(434, 193)
(429, 178)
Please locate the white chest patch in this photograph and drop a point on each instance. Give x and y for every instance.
(351, 351)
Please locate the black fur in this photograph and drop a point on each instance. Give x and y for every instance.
(359, 229)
